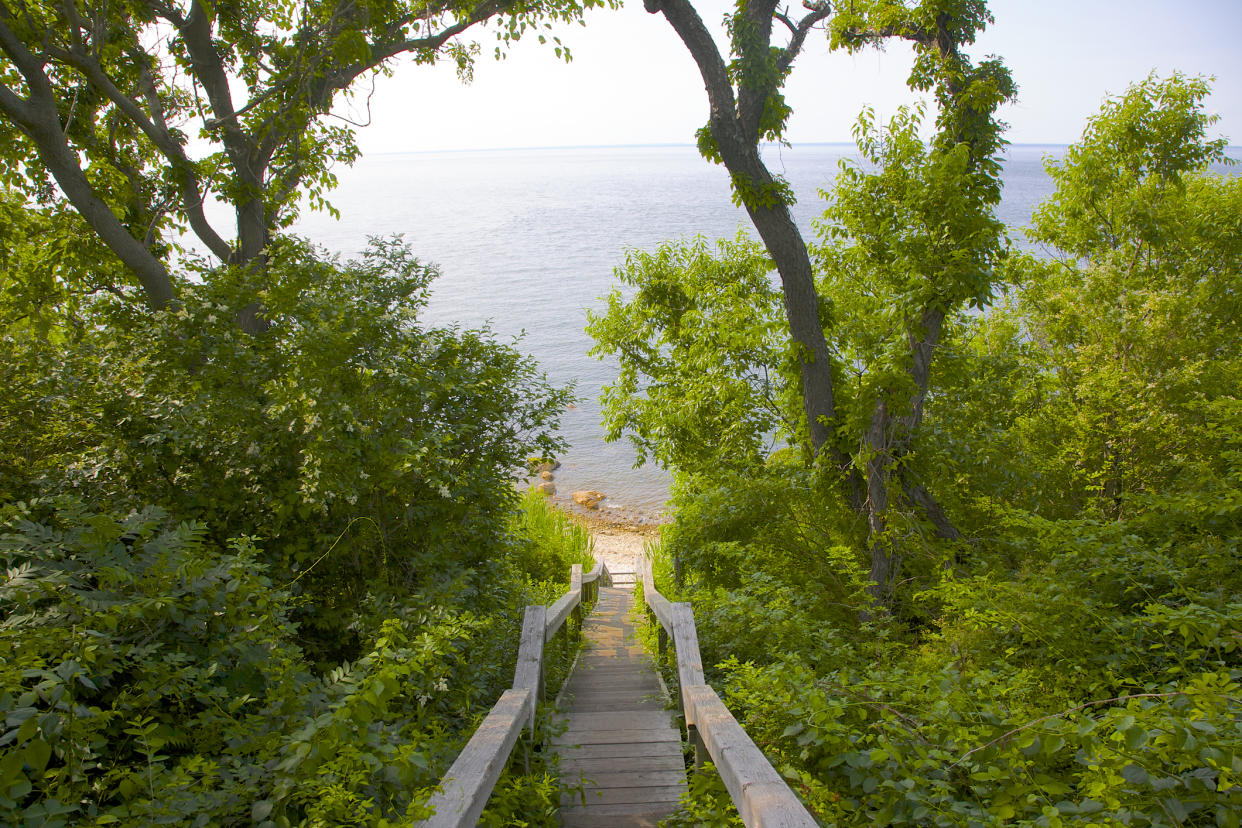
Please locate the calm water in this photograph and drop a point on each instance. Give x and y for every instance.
(527, 241)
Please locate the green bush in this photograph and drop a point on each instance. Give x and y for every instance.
(371, 454)
(1075, 658)
(153, 676)
(271, 579)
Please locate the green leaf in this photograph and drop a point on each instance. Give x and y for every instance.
(38, 752)
(10, 766)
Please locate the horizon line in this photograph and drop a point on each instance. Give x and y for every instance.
(671, 145)
(656, 145)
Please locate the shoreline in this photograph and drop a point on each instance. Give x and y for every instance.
(542, 477)
(604, 518)
(617, 537)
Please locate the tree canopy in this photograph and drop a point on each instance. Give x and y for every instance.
(905, 248)
(141, 114)
(1072, 657)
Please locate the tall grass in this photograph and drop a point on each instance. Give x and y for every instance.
(551, 541)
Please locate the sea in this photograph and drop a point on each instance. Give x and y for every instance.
(527, 240)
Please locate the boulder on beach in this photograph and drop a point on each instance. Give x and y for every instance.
(546, 488)
(589, 499)
(546, 475)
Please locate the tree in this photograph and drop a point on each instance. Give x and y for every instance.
(921, 229)
(921, 235)
(1081, 665)
(704, 353)
(1123, 344)
(373, 455)
(747, 108)
(106, 101)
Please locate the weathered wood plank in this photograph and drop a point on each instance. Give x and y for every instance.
(635, 796)
(528, 674)
(600, 571)
(607, 685)
(584, 690)
(762, 798)
(612, 658)
(657, 602)
(686, 643)
(617, 661)
(623, 764)
(614, 816)
(641, 778)
(620, 720)
(575, 588)
(650, 703)
(612, 737)
(623, 749)
(469, 782)
(558, 612)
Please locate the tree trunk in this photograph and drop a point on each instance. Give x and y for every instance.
(788, 251)
(738, 144)
(889, 439)
(931, 509)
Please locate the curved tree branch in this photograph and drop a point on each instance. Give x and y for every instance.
(156, 130)
(819, 12)
(38, 117)
(737, 144)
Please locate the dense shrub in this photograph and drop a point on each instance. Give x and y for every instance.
(265, 579)
(152, 677)
(372, 455)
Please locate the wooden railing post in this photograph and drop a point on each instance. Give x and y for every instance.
(529, 671)
(575, 585)
(469, 782)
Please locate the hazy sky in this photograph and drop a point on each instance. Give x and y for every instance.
(632, 81)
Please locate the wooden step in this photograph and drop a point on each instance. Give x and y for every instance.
(621, 744)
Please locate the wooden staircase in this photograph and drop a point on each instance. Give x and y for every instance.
(621, 744)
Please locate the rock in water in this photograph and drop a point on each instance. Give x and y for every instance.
(538, 465)
(546, 475)
(546, 488)
(589, 499)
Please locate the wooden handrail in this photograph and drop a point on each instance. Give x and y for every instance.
(468, 784)
(759, 793)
